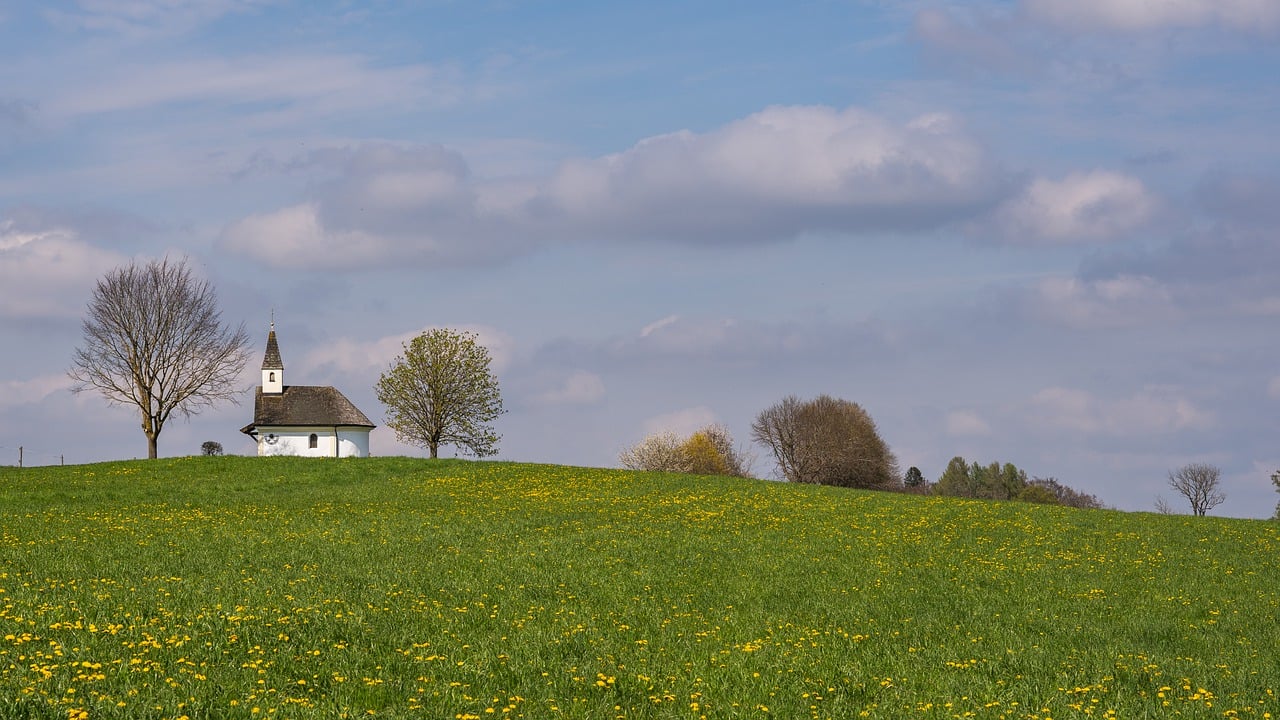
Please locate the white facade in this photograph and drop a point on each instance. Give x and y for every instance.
(304, 420)
(310, 441)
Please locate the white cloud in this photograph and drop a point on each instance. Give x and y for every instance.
(778, 172)
(1082, 207)
(1151, 411)
(371, 358)
(1139, 15)
(47, 272)
(1122, 301)
(768, 177)
(580, 388)
(961, 423)
(681, 422)
(657, 325)
(295, 237)
(32, 390)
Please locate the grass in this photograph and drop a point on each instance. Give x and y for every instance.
(283, 587)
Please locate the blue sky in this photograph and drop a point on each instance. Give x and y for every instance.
(1034, 231)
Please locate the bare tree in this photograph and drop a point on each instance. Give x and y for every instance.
(1198, 483)
(1163, 507)
(828, 441)
(154, 339)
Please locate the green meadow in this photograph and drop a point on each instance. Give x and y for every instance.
(397, 588)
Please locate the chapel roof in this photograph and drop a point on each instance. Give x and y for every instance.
(306, 405)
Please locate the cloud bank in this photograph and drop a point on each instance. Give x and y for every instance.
(776, 174)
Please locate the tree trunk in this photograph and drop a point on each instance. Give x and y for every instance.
(151, 446)
(434, 448)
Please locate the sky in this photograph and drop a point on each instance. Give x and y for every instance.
(1035, 231)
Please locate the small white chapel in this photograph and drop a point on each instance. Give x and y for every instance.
(304, 420)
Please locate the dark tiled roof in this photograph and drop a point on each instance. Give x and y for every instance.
(306, 405)
(272, 359)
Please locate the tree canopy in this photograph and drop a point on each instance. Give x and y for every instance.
(441, 391)
(827, 441)
(154, 339)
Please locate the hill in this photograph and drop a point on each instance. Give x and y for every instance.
(393, 587)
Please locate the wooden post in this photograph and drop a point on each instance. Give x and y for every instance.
(19, 457)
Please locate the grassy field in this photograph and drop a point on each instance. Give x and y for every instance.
(283, 587)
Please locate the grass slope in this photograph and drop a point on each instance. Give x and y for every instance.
(282, 587)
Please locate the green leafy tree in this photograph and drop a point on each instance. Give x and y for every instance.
(441, 391)
(957, 479)
(914, 478)
(1038, 494)
(1006, 482)
(154, 339)
(210, 448)
(827, 441)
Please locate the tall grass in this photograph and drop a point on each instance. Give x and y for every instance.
(284, 587)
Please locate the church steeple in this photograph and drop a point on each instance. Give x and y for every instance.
(272, 365)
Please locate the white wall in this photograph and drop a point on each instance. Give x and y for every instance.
(351, 442)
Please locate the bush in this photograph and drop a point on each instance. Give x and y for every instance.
(709, 451)
(210, 448)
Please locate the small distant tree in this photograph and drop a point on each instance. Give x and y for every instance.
(210, 448)
(1199, 484)
(709, 451)
(703, 456)
(154, 339)
(1038, 494)
(1163, 507)
(1066, 496)
(660, 452)
(914, 478)
(957, 479)
(1275, 480)
(442, 392)
(827, 441)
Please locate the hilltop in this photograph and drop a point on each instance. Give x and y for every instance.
(284, 587)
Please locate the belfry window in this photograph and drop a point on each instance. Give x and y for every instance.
(271, 377)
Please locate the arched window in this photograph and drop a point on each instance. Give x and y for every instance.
(315, 441)
(271, 377)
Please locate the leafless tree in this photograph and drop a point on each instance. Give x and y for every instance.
(1198, 483)
(828, 441)
(154, 339)
(1163, 507)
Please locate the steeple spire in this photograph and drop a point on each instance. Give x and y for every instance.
(272, 365)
